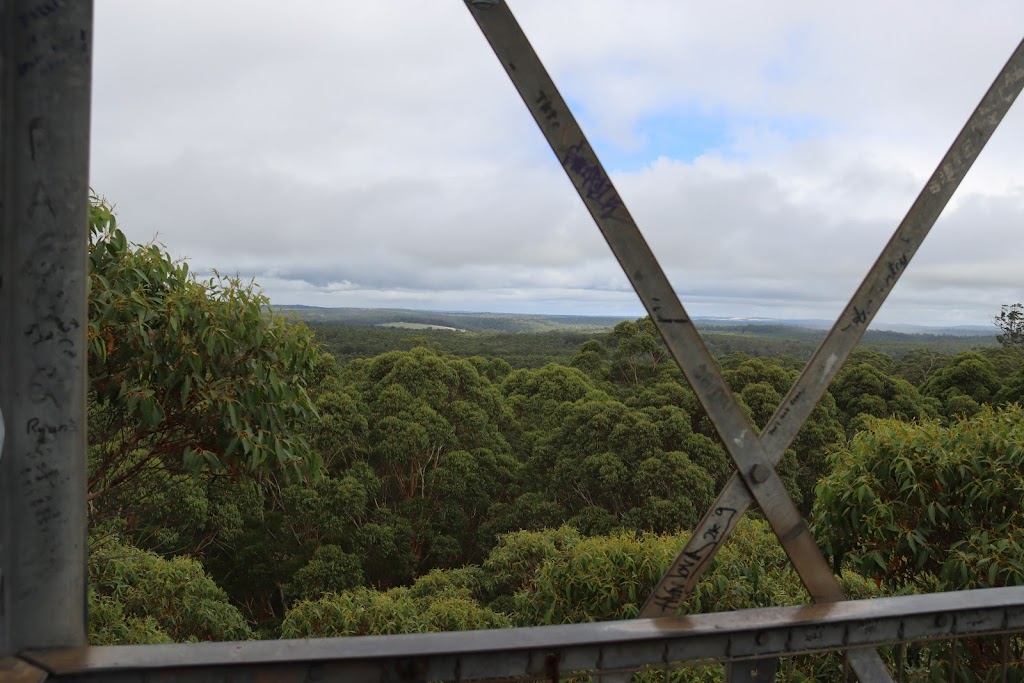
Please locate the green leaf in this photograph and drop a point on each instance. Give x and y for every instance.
(186, 388)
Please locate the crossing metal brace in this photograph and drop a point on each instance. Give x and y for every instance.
(755, 458)
(819, 372)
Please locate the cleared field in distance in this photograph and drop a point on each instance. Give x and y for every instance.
(421, 326)
(534, 340)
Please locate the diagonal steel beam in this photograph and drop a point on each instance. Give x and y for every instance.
(683, 574)
(681, 338)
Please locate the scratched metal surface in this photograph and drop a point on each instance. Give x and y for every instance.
(44, 147)
(681, 338)
(755, 633)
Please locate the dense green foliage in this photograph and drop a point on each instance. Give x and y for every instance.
(932, 506)
(245, 483)
(537, 348)
(520, 350)
(137, 596)
(187, 375)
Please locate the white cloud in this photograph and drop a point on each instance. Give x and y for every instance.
(375, 154)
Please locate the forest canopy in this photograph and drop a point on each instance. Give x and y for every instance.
(245, 483)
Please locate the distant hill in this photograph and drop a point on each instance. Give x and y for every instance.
(472, 322)
(532, 340)
(537, 322)
(819, 324)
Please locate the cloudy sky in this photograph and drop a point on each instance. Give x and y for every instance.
(374, 154)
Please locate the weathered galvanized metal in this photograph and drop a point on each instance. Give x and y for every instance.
(552, 651)
(45, 61)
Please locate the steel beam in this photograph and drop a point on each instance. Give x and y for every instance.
(46, 63)
(543, 651)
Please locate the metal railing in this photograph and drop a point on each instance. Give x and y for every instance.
(44, 105)
(746, 639)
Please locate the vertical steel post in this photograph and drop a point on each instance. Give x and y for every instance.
(45, 72)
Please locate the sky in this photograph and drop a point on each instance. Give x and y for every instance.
(374, 154)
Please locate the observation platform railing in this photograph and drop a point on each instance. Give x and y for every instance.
(744, 646)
